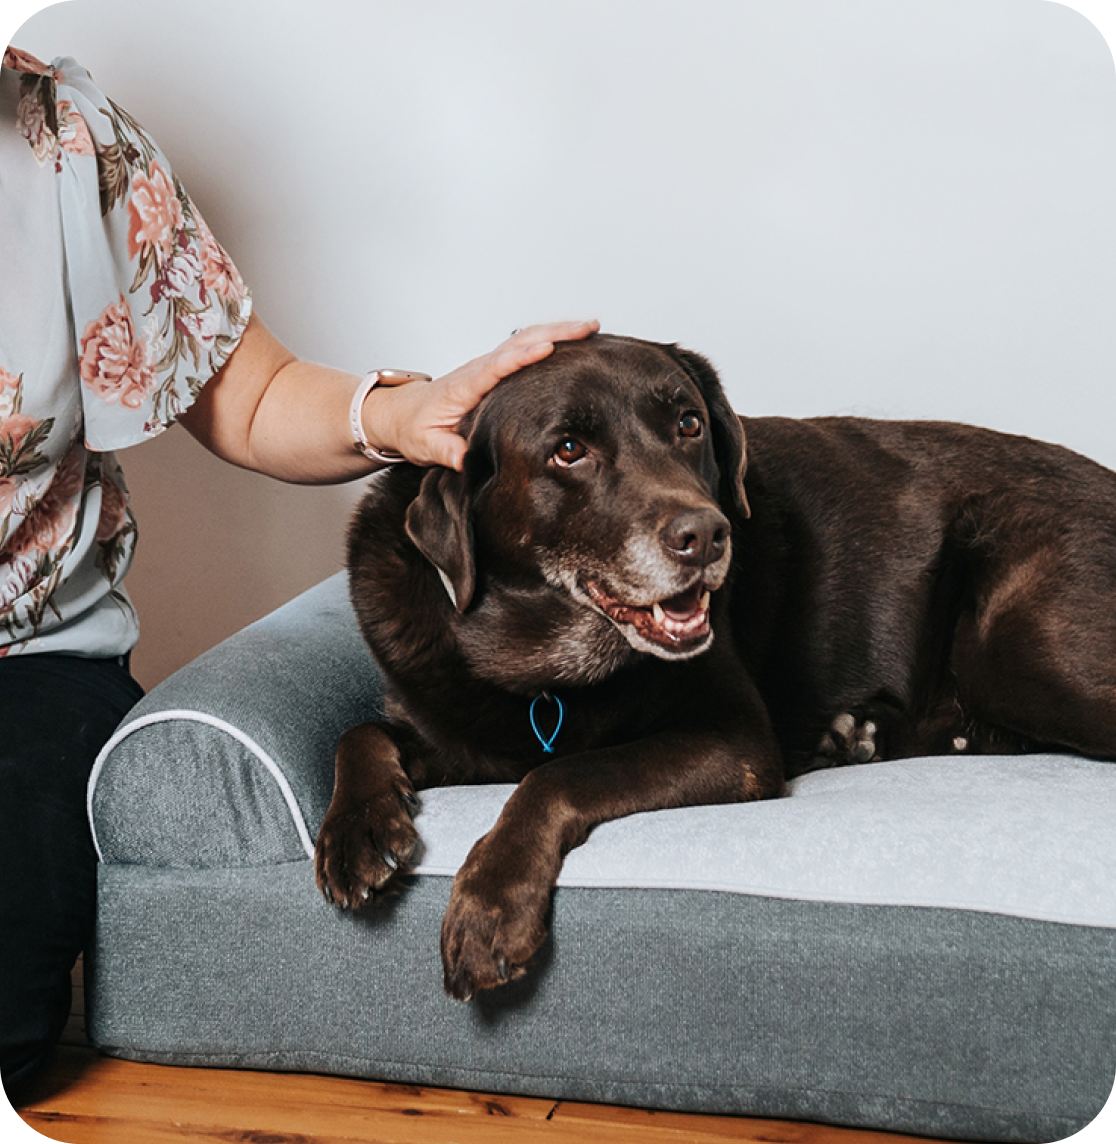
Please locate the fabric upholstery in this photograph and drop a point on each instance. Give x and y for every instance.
(925, 946)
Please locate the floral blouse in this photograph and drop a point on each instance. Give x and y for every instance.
(116, 306)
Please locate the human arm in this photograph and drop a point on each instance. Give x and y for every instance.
(268, 411)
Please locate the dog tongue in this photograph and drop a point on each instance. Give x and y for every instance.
(684, 605)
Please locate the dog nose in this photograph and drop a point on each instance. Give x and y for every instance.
(696, 536)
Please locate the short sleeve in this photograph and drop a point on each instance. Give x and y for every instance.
(156, 302)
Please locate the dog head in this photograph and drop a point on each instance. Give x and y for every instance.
(606, 477)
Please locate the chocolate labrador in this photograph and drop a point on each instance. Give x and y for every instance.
(632, 599)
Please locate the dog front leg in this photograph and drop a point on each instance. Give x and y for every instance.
(367, 835)
(496, 918)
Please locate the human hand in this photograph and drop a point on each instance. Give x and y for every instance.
(420, 419)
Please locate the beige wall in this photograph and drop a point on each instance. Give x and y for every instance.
(219, 547)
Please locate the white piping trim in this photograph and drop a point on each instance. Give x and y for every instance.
(212, 721)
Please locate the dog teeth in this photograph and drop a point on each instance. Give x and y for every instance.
(675, 627)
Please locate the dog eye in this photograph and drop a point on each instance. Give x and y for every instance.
(690, 425)
(569, 451)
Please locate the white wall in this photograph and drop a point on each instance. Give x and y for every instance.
(893, 207)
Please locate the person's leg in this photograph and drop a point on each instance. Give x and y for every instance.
(56, 712)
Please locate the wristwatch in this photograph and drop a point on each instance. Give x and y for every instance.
(369, 382)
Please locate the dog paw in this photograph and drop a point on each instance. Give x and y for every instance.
(490, 933)
(848, 740)
(362, 846)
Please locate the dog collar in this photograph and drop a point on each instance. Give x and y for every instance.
(547, 744)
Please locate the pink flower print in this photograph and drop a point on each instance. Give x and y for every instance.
(154, 212)
(114, 511)
(50, 524)
(182, 272)
(114, 362)
(203, 327)
(218, 271)
(9, 392)
(69, 480)
(15, 428)
(32, 124)
(48, 528)
(73, 132)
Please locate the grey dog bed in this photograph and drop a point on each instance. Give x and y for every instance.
(926, 946)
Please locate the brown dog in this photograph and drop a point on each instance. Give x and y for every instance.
(620, 608)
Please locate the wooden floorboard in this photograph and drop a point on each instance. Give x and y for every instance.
(84, 1098)
(233, 1104)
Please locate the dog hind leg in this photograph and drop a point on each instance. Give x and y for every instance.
(1042, 664)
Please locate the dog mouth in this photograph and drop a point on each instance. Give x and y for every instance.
(677, 624)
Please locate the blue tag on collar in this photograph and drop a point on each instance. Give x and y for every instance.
(547, 744)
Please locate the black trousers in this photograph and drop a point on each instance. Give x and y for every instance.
(56, 712)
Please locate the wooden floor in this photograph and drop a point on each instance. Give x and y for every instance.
(85, 1098)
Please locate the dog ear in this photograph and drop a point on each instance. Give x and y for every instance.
(440, 523)
(728, 435)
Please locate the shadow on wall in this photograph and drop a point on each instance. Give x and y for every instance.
(219, 547)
